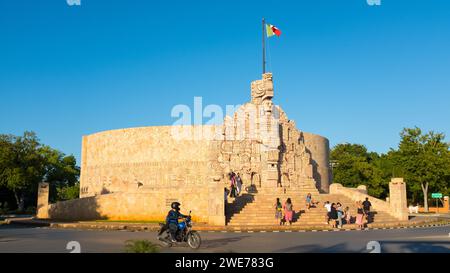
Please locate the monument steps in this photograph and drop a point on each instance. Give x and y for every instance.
(258, 210)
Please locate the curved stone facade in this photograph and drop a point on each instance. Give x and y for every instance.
(319, 147)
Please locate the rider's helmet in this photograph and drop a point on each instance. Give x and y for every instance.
(175, 205)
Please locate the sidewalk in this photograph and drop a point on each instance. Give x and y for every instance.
(93, 225)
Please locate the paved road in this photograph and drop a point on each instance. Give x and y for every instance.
(437, 239)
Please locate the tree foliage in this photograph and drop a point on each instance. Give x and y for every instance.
(24, 162)
(354, 166)
(422, 159)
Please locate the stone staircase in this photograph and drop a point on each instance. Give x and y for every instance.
(257, 209)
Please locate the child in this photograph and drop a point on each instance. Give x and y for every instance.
(278, 211)
(348, 217)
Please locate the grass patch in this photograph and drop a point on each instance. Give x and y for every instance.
(141, 246)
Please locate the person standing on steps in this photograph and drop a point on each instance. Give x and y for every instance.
(232, 184)
(327, 216)
(348, 216)
(366, 206)
(288, 211)
(360, 215)
(340, 214)
(278, 211)
(238, 184)
(308, 201)
(333, 215)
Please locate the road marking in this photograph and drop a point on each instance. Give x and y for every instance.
(314, 230)
(263, 231)
(250, 231)
(288, 231)
(275, 231)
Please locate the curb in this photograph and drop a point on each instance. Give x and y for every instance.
(154, 227)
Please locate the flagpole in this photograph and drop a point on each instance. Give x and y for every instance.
(263, 47)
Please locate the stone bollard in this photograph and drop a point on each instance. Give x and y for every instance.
(362, 188)
(397, 198)
(446, 204)
(42, 200)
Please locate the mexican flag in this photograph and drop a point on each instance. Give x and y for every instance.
(272, 30)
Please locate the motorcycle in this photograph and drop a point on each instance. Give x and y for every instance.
(184, 234)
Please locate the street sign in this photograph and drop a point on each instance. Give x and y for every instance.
(436, 195)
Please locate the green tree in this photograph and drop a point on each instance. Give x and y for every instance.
(353, 165)
(61, 172)
(24, 162)
(424, 161)
(21, 165)
(68, 192)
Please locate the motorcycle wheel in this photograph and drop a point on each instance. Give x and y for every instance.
(194, 241)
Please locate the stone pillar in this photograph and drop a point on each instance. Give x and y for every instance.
(397, 198)
(42, 200)
(216, 203)
(270, 172)
(446, 204)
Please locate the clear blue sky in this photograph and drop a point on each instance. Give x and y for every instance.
(343, 69)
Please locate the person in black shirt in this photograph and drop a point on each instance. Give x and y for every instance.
(366, 206)
(333, 215)
(172, 221)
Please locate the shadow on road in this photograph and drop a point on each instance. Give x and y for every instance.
(418, 246)
(343, 248)
(386, 247)
(221, 242)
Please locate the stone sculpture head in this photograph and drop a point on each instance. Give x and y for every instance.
(262, 89)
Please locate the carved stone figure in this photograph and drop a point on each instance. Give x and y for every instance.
(262, 89)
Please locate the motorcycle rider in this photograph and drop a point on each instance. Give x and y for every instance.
(172, 221)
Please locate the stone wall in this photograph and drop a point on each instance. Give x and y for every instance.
(126, 159)
(135, 173)
(206, 204)
(394, 207)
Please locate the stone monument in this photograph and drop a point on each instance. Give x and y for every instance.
(135, 173)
